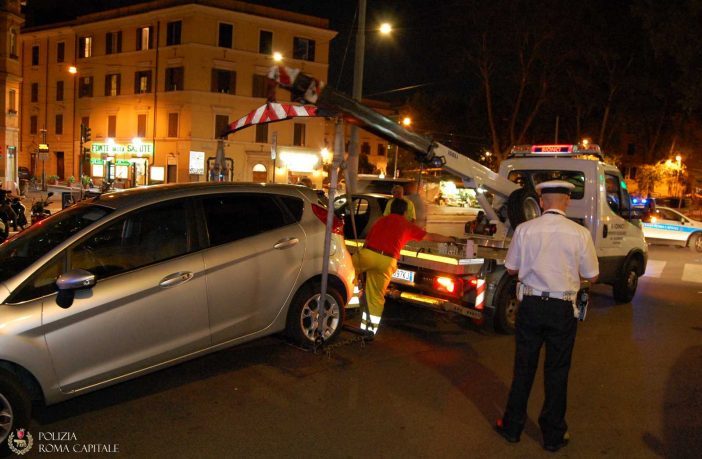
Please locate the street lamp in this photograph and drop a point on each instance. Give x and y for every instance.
(678, 158)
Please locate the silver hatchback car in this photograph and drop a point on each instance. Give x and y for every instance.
(131, 282)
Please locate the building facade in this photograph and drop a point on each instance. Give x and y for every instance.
(10, 80)
(155, 84)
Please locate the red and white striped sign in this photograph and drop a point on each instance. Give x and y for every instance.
(269, 113)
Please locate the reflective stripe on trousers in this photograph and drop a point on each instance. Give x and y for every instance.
(379, 269)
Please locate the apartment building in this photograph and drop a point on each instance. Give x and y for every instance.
(156, 83)
(10, 80)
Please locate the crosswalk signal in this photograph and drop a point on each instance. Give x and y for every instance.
(85, 133)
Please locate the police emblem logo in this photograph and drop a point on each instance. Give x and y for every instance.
(20, 441)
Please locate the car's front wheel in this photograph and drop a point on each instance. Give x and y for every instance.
(15, 409)
(304, 315)
(695, 243)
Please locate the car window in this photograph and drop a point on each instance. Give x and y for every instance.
(294, 205)
(612, 190)
(34, 242)
(361, 206)
(143, 237)
(237, 216)
(666, 214)
(577, 178)
(41, 283)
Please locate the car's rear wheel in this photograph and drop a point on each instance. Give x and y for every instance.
(627, 281)
(15, 409)
(304, 315)
(695, 243)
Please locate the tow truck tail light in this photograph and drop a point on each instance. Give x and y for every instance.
(321, 213)
(448, 285)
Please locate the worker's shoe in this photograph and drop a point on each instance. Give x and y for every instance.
(556, 446)
(500, 429)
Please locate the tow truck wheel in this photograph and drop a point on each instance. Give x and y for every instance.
(303, 315)
(522, 205)
(695, 243)
(625, 285)
(15, 409)
(506, 305)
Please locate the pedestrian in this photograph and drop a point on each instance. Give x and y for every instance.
(550, 255)
(478, 225)
(378, 257)
(306, 181)
(398, 192)
(420, 209)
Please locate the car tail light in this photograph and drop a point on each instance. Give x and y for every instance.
(337, 223)
(448, 285)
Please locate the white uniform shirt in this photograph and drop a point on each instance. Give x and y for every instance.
(551, 253)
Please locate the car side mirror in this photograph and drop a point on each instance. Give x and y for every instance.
(69, 282)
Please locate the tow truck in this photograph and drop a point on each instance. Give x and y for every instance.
(470, 278)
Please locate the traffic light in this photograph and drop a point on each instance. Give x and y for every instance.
(85, 133)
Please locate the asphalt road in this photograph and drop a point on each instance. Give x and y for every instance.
(427, 387)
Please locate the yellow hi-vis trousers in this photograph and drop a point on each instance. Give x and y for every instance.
(379, 270)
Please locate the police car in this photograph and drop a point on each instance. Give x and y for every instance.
(668, 226)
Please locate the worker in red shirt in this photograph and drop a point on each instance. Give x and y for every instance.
(378, 257)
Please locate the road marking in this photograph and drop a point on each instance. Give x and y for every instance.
(654, 268)
(692, 273)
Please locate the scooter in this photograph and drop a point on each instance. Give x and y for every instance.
(39, 209)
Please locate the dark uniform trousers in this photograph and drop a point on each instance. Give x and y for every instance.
(542, 321)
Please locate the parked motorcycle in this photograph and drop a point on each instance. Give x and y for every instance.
(39, 209)
(20, 210)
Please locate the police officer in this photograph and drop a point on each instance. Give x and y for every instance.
(551, 255)
(378, 257)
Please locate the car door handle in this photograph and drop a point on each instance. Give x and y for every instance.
(175, 279)
(605, 231)
(286, 243)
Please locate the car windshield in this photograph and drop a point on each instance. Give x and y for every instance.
(533, 178)
(29, 245)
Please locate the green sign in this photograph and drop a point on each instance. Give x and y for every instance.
(97, 161)
(121, 162)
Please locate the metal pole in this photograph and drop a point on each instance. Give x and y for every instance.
(336, 163)
(357, 94)
(43, 162)
(394, 174)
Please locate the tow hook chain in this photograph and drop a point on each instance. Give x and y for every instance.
(329, 348)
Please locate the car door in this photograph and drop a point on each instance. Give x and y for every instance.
(147, 307)
(253, 262)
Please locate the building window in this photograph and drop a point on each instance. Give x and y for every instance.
(173, 30)
(172, 125)
(85, 121)
(35, 55)
(33, 124)
(365, 148)
(142, 82)
(174, 79)
(13, 44)
(262, 133)
(60, 52)
(59, 91)
(112, 126)
(113, 42)
(85, 47)
(260, 86)
(143, 40)
(141, 126)
(223, 81)
(34, 96)
(85, 87)
(265, 42)
(59, 124)
(12, 101)
(381, 149)
(303, 48)
(221, 125)
(226, 35)
(299, 135)
(112, 84)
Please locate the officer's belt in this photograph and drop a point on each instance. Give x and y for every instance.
(387, 254)
(567, 296)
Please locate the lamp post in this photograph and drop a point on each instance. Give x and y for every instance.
(73, 71)
(678, 159)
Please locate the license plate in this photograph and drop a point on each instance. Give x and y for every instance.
(404, 275)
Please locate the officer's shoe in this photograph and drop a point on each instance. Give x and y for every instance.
(555, 447)
(500, 429)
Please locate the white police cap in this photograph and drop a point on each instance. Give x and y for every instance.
(555, 186)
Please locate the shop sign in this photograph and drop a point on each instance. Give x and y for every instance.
(116, 148)
(97, 161)
(197, 163)
(121, 162)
